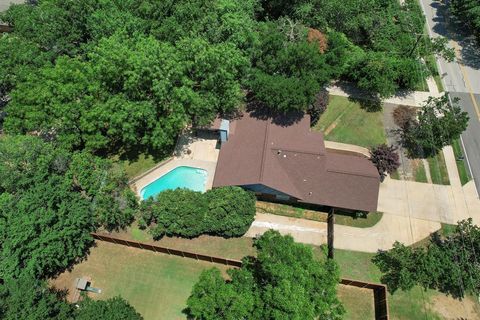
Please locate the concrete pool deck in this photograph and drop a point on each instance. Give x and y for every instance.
(191, 151)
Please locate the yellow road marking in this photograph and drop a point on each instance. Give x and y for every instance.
(467, 80)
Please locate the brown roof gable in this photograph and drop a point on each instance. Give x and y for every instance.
(286, 156)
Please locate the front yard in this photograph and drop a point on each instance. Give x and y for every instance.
(347, 122)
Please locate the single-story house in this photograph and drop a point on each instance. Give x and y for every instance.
(281, 159)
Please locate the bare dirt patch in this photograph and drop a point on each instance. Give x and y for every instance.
(452, 309)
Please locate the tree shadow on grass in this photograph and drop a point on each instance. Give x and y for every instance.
(369, 103)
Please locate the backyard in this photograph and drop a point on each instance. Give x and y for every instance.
(347, 122)
(158, 284)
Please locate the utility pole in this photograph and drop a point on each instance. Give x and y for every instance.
(330, 230)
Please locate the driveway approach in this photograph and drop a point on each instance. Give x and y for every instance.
(461, 77)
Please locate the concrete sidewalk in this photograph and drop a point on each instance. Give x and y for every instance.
(347, 147)
(414, 99)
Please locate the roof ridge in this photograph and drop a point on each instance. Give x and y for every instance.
(299, 151)
(264, 151)
(351, 173)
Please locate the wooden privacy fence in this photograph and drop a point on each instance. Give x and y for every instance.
(379, 290)
(5, 28)
(175, 252)
(379, 296)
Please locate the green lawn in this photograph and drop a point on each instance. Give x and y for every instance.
(431, 63)
(421, 85)
(140, 164)
(342, 218)
(438, 81)
(233, 248)
(409, 305)
(419, 173)
(395, 175)
(345, 121)
(438, 169)
(157, 285)
(461, 166)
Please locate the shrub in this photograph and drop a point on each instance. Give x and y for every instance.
(385, 158)
(226, 212)
(231, 210)
(177, 212)
(319, 106)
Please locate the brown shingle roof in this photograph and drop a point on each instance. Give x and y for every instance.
(289, 158)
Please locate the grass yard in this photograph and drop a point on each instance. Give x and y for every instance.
(438, 169)
(419, 173)
(346, 121)
(438, 81)
(421, 85)
(461, 165)
(136, 163)
(135, 167)
(395, 175)
(431, 63)
(409, 305)
(343, 218)
(233, 248)
(358, 302)
(156, 285)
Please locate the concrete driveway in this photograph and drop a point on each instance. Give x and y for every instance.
(389, 229)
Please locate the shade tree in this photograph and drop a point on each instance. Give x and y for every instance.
(437, 125)
(30, 298)
(284, 281)
(288, 70)
(51, 200)
(447, 263)
(130, 92)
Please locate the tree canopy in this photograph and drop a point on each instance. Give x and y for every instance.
(437, 125)
(225, 211)
(468, 13)
(448, 263)
(51, 200)
(388, 35)
(30, 298)
(115, 308)
(285, 281)
(114, 76)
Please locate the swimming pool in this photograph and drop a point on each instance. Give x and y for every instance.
(180, 177)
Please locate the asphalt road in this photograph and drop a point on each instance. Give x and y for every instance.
(461, 77)
(4, 4)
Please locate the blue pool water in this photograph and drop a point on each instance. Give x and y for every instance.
(180, 177)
